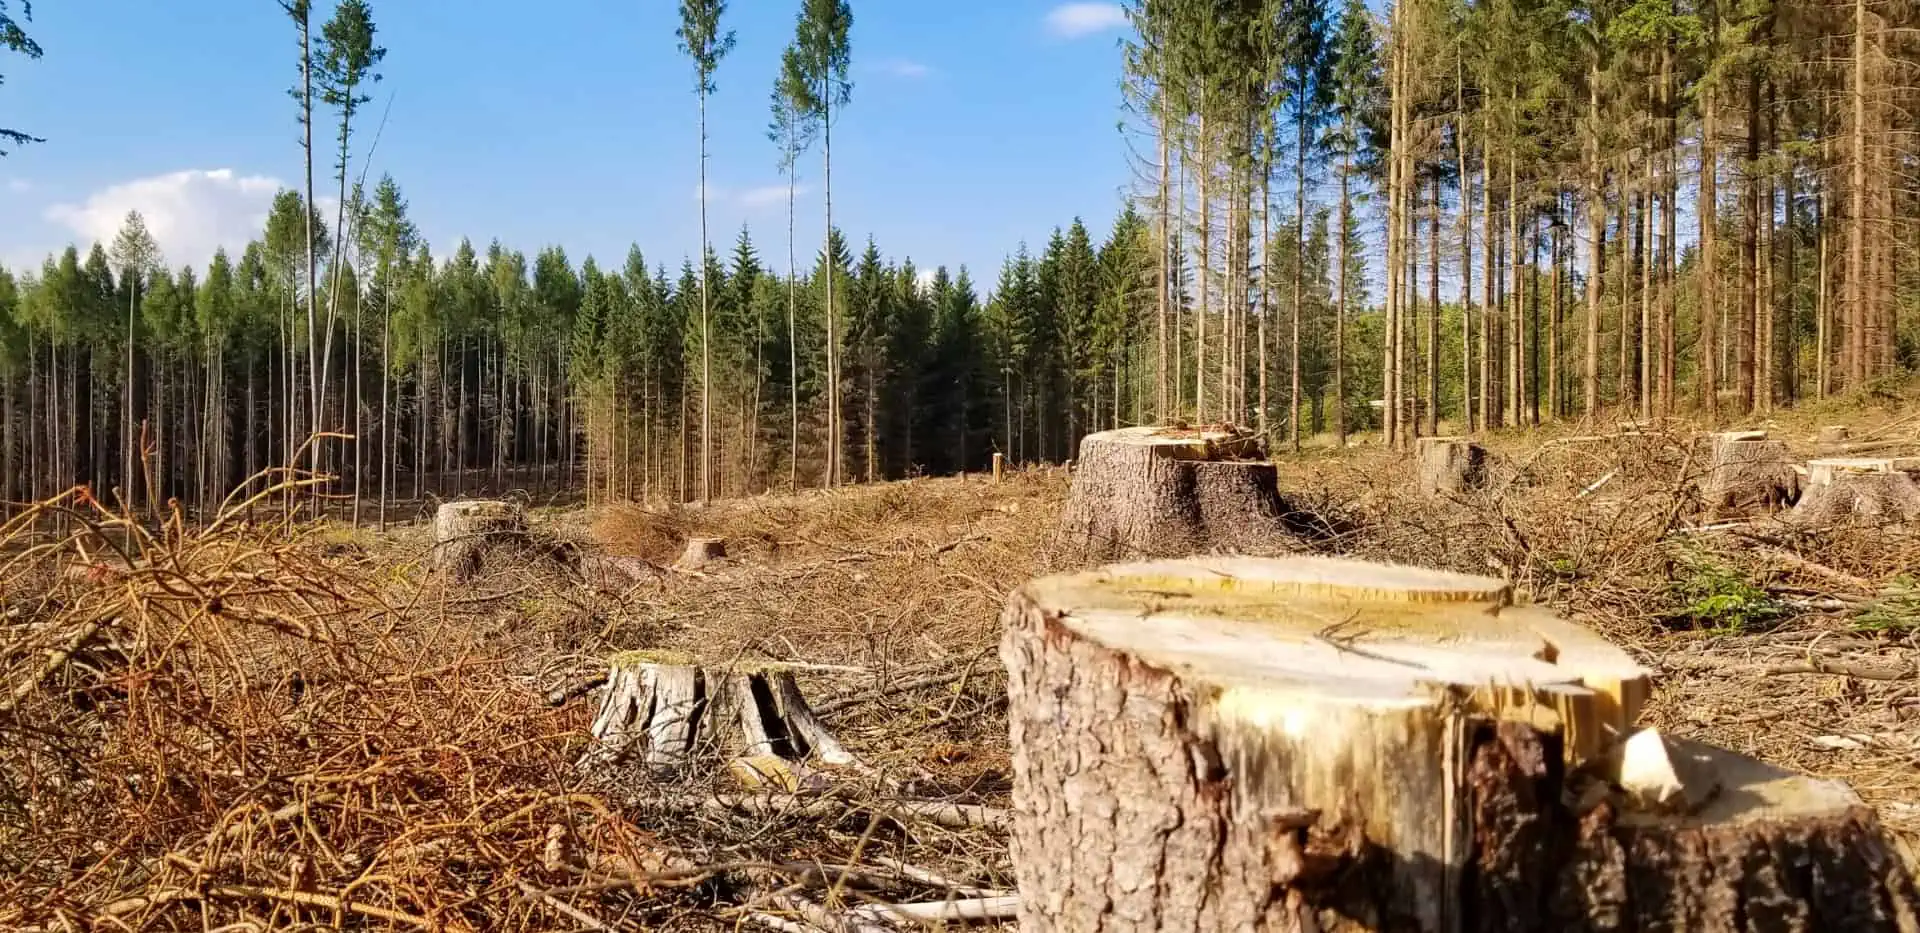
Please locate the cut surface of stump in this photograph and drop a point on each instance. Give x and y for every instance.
(466, 533)
(1833, 434)
(1449, 465)
(1744, 471)
(1165, 491)
(667, 710)
(700, 552)
(1320, 744)
(1860, 490)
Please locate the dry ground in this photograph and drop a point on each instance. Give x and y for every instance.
(247, 733)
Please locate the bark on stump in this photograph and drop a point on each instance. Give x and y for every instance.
(700, 552)
(1169, 491)
(1311, 744)
(665, 709)
(465, 533)
(1449, 465)
(1860, 490)
(1744, 471)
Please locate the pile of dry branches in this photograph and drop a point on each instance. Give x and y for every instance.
(251, 727)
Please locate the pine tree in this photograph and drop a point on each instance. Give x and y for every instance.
(824, 58)
(701, 40)
(348, 56)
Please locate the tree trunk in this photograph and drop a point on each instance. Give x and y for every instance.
(1151, 491)
(1230, 765)
(1340, 306)
(1206, 267)
(1707, 210)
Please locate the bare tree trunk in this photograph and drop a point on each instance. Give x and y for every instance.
(1340, 306)
(1204, 170)
(1163, 402)
(1468, 413)
(1299, 282)
(1596, 246)
(1433, 311)
(1749, 246)
(1857, 288)
(1707, 208)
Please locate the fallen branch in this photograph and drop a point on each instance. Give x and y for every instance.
(931, 912)
(1862, 670)
(562, 907)
(936, 879)
(950, 815)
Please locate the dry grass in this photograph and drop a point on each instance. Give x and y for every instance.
(273, 727)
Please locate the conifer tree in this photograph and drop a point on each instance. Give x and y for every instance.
(824, 58)
(702, 41)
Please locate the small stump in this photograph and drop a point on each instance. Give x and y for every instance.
(1745, 471)
(1319, 744)
(1449, 465)
(666, 710)
(700, 552)
(1860, 490)
(466, 533)
(1833, 434)
(1165, 491)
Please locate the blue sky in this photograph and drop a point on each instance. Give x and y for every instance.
(973, 126)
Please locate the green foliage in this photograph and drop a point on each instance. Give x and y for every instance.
(1715, 594)
(702, 40)
(1896, 609)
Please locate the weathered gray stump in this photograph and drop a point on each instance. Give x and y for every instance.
(700, 552)
(1860, 490)
(1165, 491)
(1310, 744)
(1745, 471)
(1449, 465)
(465, 533)
(665, 709)
(1833, 434)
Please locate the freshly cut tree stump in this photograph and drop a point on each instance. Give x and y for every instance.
(465, 533)
(1868, 490)
(1833, 434)
(665, 709)
(1313, 744)
(1166, 491)
(700, 552)
(1744, 470)
(1449, 465)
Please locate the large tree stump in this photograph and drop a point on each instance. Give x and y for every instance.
(1166, 491)
(700, 552)
(665, 709)
(1860, 490)
(1449, 465)
(1745, 470)
(465, 533)
(1311, 744)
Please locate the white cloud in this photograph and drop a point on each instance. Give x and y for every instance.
(756, 198)
(19, 185)
(904, 68)
(1073, 20)
(190, 213)
(923, 280)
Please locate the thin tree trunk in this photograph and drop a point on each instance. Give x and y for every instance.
(1707, 209)
(1299, 282)
(1206, 266)
(1433, 315)
(1340, 305)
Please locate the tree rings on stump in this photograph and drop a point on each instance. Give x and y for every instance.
(1449, 465)
(664, 708)
(465, 533)
(1319, 744)
(1166, 491)
(1860, 490)
(1745, 470)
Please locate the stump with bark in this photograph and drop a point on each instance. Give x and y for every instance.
(1860, 490)
(1745, 471)
(1449, 466)
(666, 710)
(1833, 434)
(1312, 744)
(466, 533)
(700, 552)
(1165, 491)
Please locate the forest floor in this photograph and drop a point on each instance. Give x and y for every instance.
(248, 730)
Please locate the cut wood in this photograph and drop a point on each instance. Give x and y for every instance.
(466, 533)
(1449, 465)
(1745, 470)
(667, 710)
(1858, 490)
(700, 552)
(1321, 744)
(1165, 491)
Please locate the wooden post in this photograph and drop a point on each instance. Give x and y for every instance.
(1156, 492)
(1318, 744)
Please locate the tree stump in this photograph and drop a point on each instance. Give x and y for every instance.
(1449, 465)
(1745, 470)
(1833, 434)
(1860, 490)
(1167, 491)
(667, 710)
(465, 533)
(1313, 744)
(700, 552)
